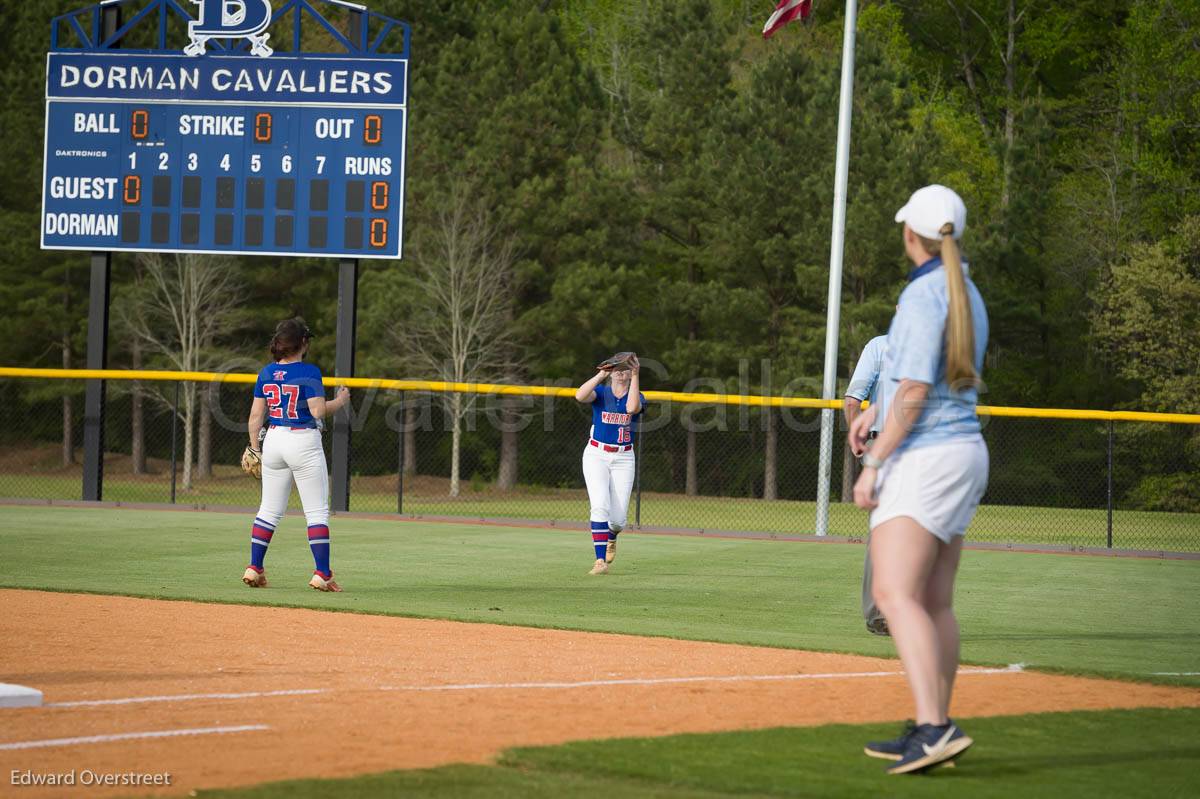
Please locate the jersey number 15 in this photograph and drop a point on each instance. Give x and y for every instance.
(275, 400)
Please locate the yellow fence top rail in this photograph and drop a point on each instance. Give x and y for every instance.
(557, 391)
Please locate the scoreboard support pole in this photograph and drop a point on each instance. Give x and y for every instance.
(347, 323)
(343, 364)
(97, 341)
(97, 358)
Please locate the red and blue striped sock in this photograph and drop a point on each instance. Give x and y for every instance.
(318, 542)
(260, 539)
(600, 538)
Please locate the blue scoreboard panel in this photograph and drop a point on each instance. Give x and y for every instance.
(225, 154)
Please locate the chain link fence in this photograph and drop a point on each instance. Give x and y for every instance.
(710, 467)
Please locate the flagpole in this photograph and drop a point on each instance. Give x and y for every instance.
(836, 248)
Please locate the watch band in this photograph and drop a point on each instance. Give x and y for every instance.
(871, 462)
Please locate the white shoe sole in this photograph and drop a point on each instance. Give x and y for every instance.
(950, 750)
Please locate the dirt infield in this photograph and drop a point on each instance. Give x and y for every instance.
(240, 695)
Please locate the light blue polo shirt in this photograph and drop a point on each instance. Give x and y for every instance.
(916, 350)
(864, 383)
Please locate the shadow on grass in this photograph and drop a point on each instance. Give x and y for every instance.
(986, 766)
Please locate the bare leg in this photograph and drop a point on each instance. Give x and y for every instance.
(903, 555)
(939, 602)
(870, 610)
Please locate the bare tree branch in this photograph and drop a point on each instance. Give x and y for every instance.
(461, 329)
(177, 308)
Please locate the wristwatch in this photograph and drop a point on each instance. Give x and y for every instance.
(871, 462)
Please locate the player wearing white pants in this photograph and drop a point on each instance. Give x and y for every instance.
(609, 477)
(290, 397)
(608, 459)
(294, 452)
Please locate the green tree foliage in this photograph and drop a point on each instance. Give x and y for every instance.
(1149, 320)
(509, 110)
(665, 177)
(1148, 326)
(45, 291)
(680, 89)
(771, 156)
(1161, 92)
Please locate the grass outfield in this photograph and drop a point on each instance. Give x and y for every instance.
(1179, 532)
(1111, 616)
(1140, 753)
(1114, 616)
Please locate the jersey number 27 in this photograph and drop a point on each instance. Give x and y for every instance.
(275, 400)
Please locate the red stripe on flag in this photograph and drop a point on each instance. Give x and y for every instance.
(785, 12)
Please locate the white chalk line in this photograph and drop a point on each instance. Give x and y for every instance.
(1175, 673)
(133, 700)
(129, 736)
(514, 686)
(1015, 668)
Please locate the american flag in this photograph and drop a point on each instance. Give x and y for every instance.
(785, 12)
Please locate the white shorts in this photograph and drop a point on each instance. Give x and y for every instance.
(938, 486)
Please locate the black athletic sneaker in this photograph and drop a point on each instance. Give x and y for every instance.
(878, 627)
(893, 749)
(929, 745)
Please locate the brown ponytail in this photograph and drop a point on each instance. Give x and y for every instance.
(960, 331)
(290, 337)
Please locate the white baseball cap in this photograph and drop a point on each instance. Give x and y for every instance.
(931, 207)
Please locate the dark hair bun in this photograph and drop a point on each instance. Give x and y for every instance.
(289, 339)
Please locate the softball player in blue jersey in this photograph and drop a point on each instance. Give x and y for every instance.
(608, 459)
(290, 398)
(926, 472)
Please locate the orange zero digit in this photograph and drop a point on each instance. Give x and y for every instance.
(379, 195)
(139, 126)
(373, 129)
(132, 189)
(262, 128)
(379, 233)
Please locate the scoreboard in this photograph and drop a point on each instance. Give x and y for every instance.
(225, 154)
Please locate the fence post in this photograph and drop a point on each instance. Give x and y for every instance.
(400, 458)
(637, 473)
(1110, 482)
(174, 428)
(347, 311)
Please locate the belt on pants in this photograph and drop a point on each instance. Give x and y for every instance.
(609, 447)
(291, 429)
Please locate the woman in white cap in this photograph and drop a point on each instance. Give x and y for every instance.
(924, 475)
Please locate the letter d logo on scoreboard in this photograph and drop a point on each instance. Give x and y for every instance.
(231, 19)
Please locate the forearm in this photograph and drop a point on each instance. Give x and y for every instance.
(634, 404)
(254, 427)
(583, 392)
(851, 408)
(901, 418)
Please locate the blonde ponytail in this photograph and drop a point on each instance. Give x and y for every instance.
(960, 330)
